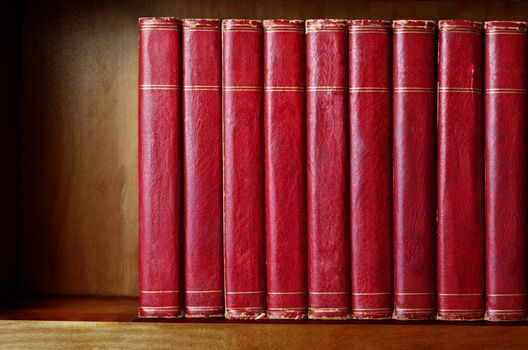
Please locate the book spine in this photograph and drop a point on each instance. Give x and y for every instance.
(160, 169)
(244, 235)
(460, 238)
(285, 161)
(370, 168)
(327, 170)
(414, 174)
(506, 108)
(202, 174)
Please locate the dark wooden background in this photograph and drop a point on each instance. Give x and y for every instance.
(76, 168)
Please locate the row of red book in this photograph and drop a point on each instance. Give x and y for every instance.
(333, 169)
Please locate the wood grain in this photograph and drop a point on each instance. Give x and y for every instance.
(229, 335)
(79, 138)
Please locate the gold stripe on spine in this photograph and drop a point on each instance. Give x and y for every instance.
(507, 295)
(326, 88)
(379, 293)
(328, 309)
(205, 307)
(201, 88)
(286, 308)
(414, 31)
(467, 310)
(235, 293)
(353, 31)
(372, 309)
(506, 91)
(284, 88)
(415, 309)
(460, 295)
(413, 89)
(459, 89)
(329, 293)
(245, 308)
(160, 307)
(159, 291)
(242, 88)
(285, 293)
(508, 311)
(461, 31)
(418, 293)
(368, 89)
(203, 291)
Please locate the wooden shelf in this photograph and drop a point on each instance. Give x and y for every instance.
(107, 322)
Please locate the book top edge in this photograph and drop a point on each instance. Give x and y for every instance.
(448, 24)
(201, 23)
(283, 23)
(513, 26)
(369, 23)
(414, 24)
(159, 20)
(325, 24)
(241, 24)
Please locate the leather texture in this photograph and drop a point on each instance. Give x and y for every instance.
(414, 131)
(460, 163)
(505, 81)
(160, 169)
(285, 168)
(370, 168)
(244, 235)
(327, 170)
(202, 174)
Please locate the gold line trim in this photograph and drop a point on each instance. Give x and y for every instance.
(414, 309)
(242, 88)
(369, 31)
(455, 89)
(205, 307)
(413, 89)
(329, 293)
(368, 89)
(326, 88)
(286, 308)
(192, 29)
(148, 29)
(460, 295)
(202, 88)
(505, 32)
(447, 310)
(432, 31)
(235, 293)
(159, 291)
(506, 91)
(411, 293)
(245, 308)
(160, 307)
(373, 309)
(380, 293)
(507, 295)
(343, 30)
(285, 293)
(241, 30)
(203, 291)
(284, 31)
(508, 311)
(329, 309)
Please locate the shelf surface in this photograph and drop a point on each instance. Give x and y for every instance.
(111, 322)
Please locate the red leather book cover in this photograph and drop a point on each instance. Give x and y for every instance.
(160, 169)
(244, 235)
(414, 173)
(369, 82)
(202, 171)
(460, 238)
(285, 164)
(506, 113)
(327, 170)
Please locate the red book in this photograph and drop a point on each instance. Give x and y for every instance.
(244, 235)
(414, 131)
(202, 172)
(285, 164)
(369, 105)
(327, 174)
(160, 169)
(460, 238)
(506, 107)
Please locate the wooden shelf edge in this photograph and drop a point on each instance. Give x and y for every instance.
(111, 322)
(225, 335)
